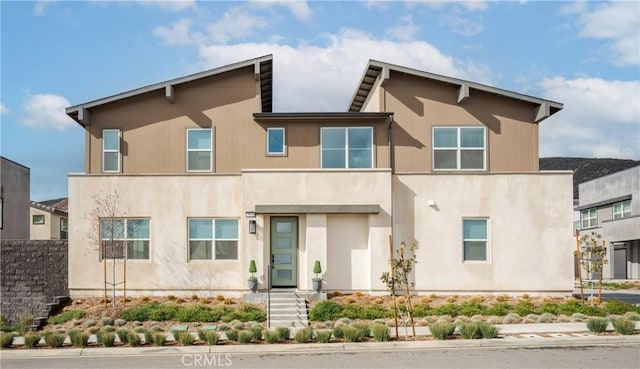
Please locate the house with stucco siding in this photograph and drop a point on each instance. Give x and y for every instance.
(202, 177)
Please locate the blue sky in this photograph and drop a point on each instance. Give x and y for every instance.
(60, 53)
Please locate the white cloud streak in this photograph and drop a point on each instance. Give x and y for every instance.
(405, 30)
(170, 5)
(46, 111)
(4, 109)
(40, 6)
(600, 118)
(299, 8)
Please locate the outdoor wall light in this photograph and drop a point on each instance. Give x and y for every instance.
(431, 203)
(250, 214)
(252, 227)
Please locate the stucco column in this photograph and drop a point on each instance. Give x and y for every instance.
(316, 246)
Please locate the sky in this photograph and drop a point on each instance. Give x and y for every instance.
(56, 54)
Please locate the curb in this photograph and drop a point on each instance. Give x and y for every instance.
(280, 349)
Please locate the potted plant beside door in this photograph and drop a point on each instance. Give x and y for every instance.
(317, 280)
(253, 280)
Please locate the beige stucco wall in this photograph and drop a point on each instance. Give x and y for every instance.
(168, 201)
(50, 230)
(530, 216)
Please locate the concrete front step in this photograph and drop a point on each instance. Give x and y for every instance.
(288, 323)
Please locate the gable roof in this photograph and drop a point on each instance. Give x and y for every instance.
(380, 70)
(263, 68)
(58, 206)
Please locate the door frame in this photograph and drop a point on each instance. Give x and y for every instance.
(295, 271)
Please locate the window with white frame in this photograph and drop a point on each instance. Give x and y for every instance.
(459, 148)
(116, 233)
(346, 147)
(622, 209)
(276, 141)
(111, 150)
(589, 218)
(199, 150)
(213, 239)
(475, 239)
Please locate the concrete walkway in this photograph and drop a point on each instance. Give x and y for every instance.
(511, 335)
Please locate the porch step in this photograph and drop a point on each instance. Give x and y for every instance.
(287, 309)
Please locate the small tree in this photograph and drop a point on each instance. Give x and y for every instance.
(398, 279)
(317, 269)
(592, 256)
(252, 270)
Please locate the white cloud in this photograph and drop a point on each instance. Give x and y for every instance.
(323, 78)
(40, 6)
(179, 33)
(618, 22)
(46, 111)
(376, 4)
(236, 23)
(4, 109)
(600, 118)
(299, 8)
(171, 5)
(473, 5)
(405, 30)
(462, 25)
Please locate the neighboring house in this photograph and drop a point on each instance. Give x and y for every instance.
(610, 207)
(197, 177)
(14, 200)
(49, 219)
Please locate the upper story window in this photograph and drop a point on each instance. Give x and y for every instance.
(622, 209)
(64, 228)
(459, 148)
(276, 141)
(475, 239)
(115, 233)
(111, 150)
(213, 239)
(350, 147)
(199, 150)
(37, 219)
(589, 218)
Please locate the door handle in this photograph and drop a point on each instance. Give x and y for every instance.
(273, 258)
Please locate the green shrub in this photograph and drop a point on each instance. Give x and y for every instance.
(55, 339)
(325, 310)
(119, 322)
(546, 318)
(79, 339)
(156, 328)
(89, 323)
(303, 335)
(618, 307)
(185, 338)
(578, 317)
(418, 311)
(65, 316)
(106, 321)
(158, 338)
(211, 337)
(512, 318)
(223, 327)
(6, 339)
(200, 313)
(442, 330)
(597, 325)
(93, 330)
(245, 337)
(323, 335)
(376, 312)
(351, 334)
(107, 328)
(284, 333)
(624, 326)
(548, 307)
(632, 315)
(380, 332)
(574, 306)
(471, 308)
(271, 336)
(364, 329)
(487, 330)
(256, 331)
(499, 309)
(246, 313)
(139, 329)
(338, 331)
(524, 307)
(238, 326)
(106, 339)
(446, 309)
(122, 334)
(469, 331)
(232, 334)
(31, 340)
(134, 339)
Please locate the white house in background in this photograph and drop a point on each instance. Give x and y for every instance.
(49, 219)
(208, 178)
(610, 206)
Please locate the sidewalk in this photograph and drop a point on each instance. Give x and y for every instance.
(511, 335)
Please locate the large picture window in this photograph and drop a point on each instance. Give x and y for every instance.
(475, 239)
(459, 148)
(199, 150)
(115, 233)
(589, 218)
(111, 150)
(350, 147)
(622, 209)
(213, 239)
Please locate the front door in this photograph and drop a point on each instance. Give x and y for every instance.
(284, 251)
